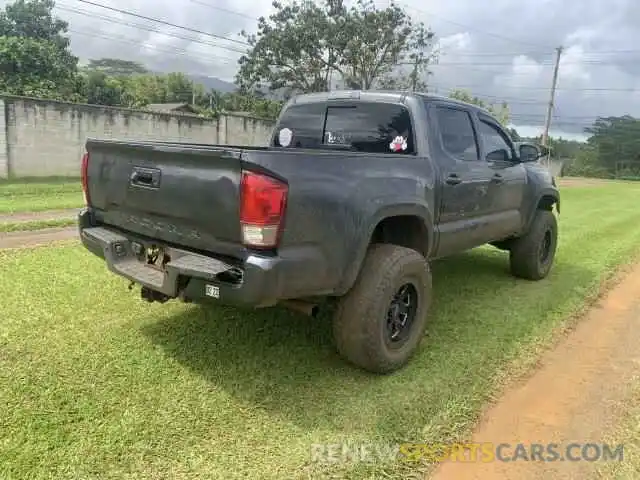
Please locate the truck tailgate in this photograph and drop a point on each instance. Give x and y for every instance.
(179, 193)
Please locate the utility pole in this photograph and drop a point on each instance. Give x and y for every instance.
(547, 124)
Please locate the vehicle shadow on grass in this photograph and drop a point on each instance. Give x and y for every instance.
(285, 362)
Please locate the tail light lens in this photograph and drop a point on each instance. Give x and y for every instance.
(262, 205)
(84, 174)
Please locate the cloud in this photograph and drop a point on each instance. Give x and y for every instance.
(455, 42)
(505, 52)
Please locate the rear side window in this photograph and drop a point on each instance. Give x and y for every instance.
(301, 126)
(370, 127)
(457, 134)
(365, 127)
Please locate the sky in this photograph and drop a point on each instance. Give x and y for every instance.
(502, 51)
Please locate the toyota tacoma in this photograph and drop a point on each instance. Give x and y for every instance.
(354, 195)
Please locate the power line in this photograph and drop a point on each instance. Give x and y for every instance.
(149, 29)
(544, 52)
(566, 89)
(543, 63)
(510, 100)
(226, 10)
(175, 51)
(164, 22)
(483, 32)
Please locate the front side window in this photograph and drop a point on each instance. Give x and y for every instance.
(495, 144)
(457, 134)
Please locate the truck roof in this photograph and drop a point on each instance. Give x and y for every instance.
(377, 95)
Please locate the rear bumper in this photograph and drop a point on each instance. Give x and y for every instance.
(257, 281)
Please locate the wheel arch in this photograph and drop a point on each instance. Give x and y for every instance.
(406, 225)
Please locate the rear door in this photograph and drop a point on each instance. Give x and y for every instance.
(508, 178)
(465, 207)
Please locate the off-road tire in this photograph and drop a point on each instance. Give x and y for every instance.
(360, 321)
(525, 252)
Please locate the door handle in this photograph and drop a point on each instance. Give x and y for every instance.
(145, 177)
(497, 178)
(453, 179)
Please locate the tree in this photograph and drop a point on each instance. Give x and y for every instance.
(98, 88)
(35, 59)
(616, 142)
(513, 133)
(373, 42)
(501, 111)
(116, 67)
(37, 69)
(34, 19)
(303, 45)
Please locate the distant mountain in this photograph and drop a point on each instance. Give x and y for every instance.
(212, 83)
(228, 87)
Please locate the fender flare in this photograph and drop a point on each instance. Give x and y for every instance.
(546, 192)
(358, 253)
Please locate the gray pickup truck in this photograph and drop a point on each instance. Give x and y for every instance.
(353, 197)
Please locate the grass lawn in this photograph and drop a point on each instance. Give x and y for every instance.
(34, 195)
(98, 384)
(628, 433)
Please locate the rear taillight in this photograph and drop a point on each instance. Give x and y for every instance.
(84, 174)
(262, 205)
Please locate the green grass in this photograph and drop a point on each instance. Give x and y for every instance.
(36, 224)
(98, 384)
(35, 195)
(628, 433)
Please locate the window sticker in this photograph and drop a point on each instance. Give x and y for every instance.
(399, 144)
(332, 138)
(284, 137)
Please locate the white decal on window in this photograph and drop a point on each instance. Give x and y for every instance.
(284, 137)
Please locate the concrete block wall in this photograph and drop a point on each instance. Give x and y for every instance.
(4, 151)
(47, 138)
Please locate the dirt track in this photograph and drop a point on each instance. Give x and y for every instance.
(564, 182)
(37, 237)
(573, 397)
(32, 216)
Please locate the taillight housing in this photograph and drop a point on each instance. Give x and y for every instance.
(84, 175)
(262, 207)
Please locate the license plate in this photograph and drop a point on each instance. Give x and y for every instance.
(212, 291)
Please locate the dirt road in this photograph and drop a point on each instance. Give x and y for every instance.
(573, 397)
(37, 237)
(564, 182)
(31, 238)
(32, 216)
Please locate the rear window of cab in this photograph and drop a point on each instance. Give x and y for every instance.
(373, 127)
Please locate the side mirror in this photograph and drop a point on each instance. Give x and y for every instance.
(500, 155)
(530, 152)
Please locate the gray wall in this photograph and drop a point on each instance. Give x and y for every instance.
(46, 138)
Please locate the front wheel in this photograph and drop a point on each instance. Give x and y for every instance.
(379, 324)
(532, 255)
